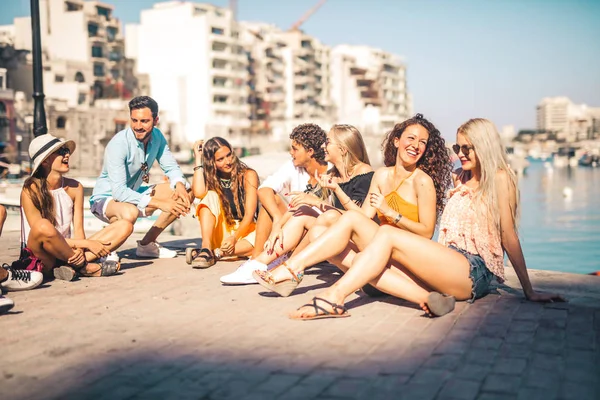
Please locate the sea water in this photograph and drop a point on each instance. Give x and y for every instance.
(560, 218)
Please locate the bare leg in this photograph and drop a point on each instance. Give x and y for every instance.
(207, 227)
(293, 232)
(161, 191)
(2, 218)
(351, 226)
(439, 267)
(115, 233)
(243, 248)
(49, 246)
(264, 224)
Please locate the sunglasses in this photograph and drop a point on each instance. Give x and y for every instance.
(146, 175)
(466, 149)
(63, 151)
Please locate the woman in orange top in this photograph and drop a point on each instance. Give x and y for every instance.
(408, 193)
(477, 226)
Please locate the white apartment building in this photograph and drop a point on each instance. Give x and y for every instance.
(368, 88)
(290, 79)
(196, 66)
(570, 122)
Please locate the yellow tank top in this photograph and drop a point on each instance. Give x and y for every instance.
(398, 204)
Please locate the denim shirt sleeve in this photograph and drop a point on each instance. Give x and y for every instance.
(169, 165)
(115, 161)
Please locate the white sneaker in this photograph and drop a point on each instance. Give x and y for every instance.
(278, 261)
(243, 275)
(19, 279)
(112, 256)
(154, 250)
(5, 304)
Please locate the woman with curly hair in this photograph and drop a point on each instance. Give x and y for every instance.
(228, 189)
(476, 228)
(408, 193)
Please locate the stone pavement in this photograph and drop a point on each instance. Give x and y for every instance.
(162, 330)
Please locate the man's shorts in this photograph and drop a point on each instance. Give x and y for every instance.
(98, 208)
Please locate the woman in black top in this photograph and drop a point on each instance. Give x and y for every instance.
(228, 189)
(345, 186)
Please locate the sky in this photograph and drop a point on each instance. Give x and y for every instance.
(465, 58)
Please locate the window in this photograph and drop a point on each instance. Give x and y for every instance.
(220, 82)
(115, 73)
(61, 123)
(79, 77)
(2, 82)
(114, 55)
(97, 51)
(219, 64)
(98, 69)
(219, 13)
(119, 126)
(92, 30)
(218, 46)
(199, 11)
(59, 78)
(111, 33)
(217, 31)
(105, 12)
(220, 99)
(82, 98)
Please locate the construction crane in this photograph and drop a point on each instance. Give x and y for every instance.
(303, 19)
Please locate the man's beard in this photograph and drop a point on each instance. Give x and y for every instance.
(146, 135)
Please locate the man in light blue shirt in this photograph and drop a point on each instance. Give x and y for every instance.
(122, 192)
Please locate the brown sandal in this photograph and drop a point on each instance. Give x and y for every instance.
(204, 259)
(338, 311)
(283, 288)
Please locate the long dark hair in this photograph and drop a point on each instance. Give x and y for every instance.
(41, 198)
(435, 162)
(212, 179)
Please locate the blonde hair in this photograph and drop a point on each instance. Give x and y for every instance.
(350, 140)
(491, 157)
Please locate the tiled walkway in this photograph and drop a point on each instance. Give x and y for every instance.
(162, 330)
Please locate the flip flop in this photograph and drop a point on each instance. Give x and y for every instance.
(440, 304)
(339, 311)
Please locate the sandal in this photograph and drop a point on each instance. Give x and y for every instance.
(440, 304)
(107, 268)
(64, 273)
(285, 287)
(190, 254)
(204, 259)
(339, 311)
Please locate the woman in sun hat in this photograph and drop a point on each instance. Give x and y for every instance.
(53, 217)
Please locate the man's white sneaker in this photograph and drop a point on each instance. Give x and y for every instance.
(19, 279)
(5, 304)
(154, 250)
(243, 275)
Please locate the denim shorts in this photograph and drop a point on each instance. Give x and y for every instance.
(480, 275)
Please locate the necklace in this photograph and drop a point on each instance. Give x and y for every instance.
(225, 183)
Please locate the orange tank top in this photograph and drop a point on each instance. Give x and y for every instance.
(398, 204)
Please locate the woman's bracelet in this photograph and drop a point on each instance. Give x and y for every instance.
(348, 201)
(398, 218)
(196, 168)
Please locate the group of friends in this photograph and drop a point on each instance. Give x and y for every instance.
(325, 204)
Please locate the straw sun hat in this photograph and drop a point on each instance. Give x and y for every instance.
(43, 146)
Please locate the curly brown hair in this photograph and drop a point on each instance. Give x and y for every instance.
(311, 136)
(211, 176)
(435, 162)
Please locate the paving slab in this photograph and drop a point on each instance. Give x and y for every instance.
(162, 330)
